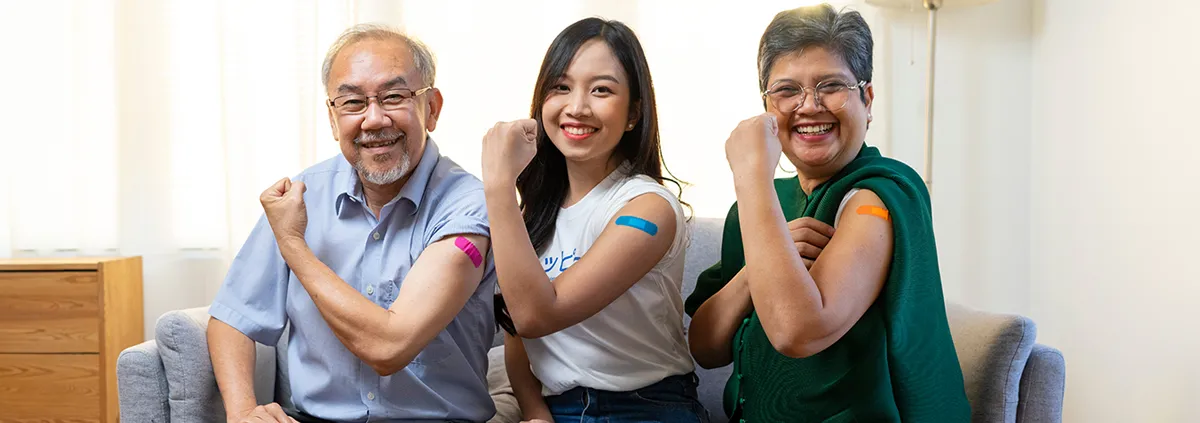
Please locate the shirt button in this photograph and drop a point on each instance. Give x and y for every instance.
(741, 400)
(371, 396)
(739, 376)
(744, 321)
(370, 289)
(375, 236)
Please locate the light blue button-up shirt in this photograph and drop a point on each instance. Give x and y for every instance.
(447, 380)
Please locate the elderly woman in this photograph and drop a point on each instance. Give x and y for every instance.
(827, 298)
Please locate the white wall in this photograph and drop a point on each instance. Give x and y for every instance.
(1114, 200)
(981, 133)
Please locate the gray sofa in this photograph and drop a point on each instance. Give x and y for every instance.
(1009, 377)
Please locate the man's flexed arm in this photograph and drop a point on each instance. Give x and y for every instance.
(437, 287)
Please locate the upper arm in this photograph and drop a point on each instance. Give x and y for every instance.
(620, 257)
(437, 287)
(253, 297)
(851, 270)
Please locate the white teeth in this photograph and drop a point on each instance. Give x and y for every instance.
(814, 129)
(578, 130)
(378, 144)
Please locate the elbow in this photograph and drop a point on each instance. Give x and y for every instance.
(706, 354)
(386, 358)
(708, 360)
(535, 325)
(797, 348)
(532, 328)
(799, 341)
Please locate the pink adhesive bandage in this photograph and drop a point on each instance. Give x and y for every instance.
(467, 247)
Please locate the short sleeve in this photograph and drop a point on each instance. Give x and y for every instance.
(253, 297)
(464, 213)
(636, 188)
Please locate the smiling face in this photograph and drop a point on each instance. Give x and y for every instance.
(816, 140)
(382, 145)
(587, 110)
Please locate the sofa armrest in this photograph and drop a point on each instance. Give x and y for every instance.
(992, 350)
(182, 337)
(1042, 386)
(142, 384)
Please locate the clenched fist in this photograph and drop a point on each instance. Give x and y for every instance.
(283, 203)
(507, 148)
(753, 148)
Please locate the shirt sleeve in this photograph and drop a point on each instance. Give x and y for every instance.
(463, 214)
(637, 188)
(253, 297)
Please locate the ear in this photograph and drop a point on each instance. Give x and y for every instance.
(869, 91)
(635, 114)
(435, 109)
(333, 125)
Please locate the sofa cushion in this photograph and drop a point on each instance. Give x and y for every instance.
(992, 350)
(507, 410)
(192, 388)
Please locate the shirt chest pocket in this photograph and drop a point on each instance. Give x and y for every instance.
(436, 352)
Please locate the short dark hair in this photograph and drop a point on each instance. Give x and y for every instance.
(844, 34)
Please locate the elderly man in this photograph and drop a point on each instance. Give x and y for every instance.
(375, 258)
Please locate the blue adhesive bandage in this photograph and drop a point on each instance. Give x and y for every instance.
(638, 223)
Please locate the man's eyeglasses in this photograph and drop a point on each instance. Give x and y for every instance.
(394, 99)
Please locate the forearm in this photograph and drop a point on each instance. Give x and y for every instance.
(527, 291)
(232, 355)
(367, 330)
(781, 288)
(710, 336)
(526, 388)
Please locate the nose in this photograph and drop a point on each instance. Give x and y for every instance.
(578, 104)
(374, 117)
(808, 103)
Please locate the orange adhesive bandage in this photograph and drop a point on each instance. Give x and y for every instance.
(876, 211)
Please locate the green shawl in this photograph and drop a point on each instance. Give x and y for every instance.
(897, 363)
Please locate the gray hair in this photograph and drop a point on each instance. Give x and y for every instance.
(844, 34)
(422, 58)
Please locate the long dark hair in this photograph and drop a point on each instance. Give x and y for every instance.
(543, 184)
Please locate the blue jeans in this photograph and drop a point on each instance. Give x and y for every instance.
(671, 400)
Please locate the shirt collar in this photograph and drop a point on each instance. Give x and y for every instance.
(413, 190)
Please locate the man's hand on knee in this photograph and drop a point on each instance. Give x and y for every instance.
(270, 413)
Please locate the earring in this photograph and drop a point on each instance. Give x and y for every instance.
(785, 170)
(630, 127)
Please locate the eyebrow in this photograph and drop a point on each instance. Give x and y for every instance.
(820, 79)
(391, 83)
(606, 78)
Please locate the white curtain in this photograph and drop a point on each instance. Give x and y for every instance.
(150, 127)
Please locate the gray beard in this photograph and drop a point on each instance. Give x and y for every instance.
(388, 176)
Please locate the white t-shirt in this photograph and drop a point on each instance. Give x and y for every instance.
(637, 339)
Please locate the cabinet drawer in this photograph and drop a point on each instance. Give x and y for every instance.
(49, 388)
(49, 312)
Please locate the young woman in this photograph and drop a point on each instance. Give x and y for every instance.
(590, 260)
(827, 298)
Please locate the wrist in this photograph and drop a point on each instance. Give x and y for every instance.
(236, 410)
(752, 179)
(502, 189)
(290, 243)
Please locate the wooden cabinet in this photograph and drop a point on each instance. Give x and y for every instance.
(62, 324)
